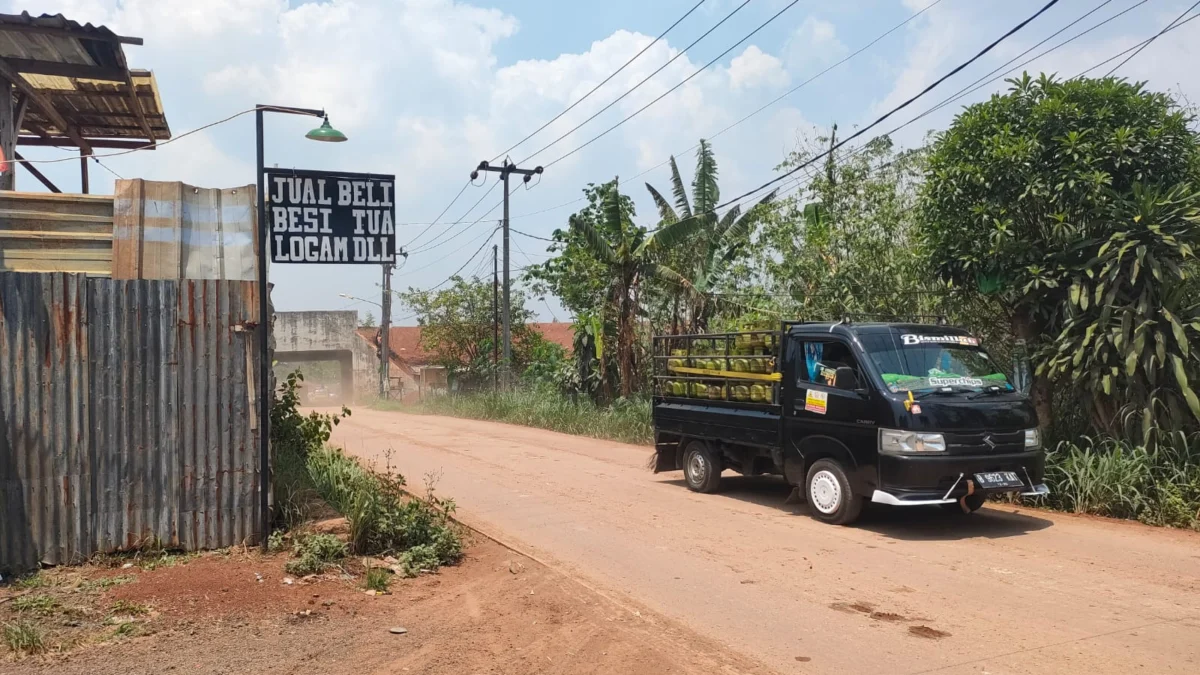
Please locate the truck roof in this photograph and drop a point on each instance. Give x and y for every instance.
(873, 328)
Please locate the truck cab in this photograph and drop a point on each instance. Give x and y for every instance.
(897, 414)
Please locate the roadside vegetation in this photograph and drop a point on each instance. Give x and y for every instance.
(1059, 221)
(383, 518)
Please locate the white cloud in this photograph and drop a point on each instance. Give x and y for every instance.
(755, 68)
(814, 42)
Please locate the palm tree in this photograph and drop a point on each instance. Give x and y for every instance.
(706, 257)
(631, 255)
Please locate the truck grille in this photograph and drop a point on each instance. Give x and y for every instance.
(985, 442)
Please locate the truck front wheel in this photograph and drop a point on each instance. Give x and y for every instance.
(830, 497)
(701, 467)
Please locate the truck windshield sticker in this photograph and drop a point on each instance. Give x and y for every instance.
(816, 401)
(955, 382)
(910, 339)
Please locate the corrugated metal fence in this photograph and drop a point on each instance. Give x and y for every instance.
(126, 415)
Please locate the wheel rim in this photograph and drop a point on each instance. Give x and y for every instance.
(697, 468)
(826, 492)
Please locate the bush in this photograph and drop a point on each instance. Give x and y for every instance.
(315, 554)
(1158, 484)
(377, 579)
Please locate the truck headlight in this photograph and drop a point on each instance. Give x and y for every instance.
(900, 442)
(1033, 439)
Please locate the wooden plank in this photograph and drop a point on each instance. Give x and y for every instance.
(33, 171)
(42, 102)
(60, 69)
(64, 197)
(8, 135)
(60, 141)
(127, 229)
(54, 236)
(29, 214)
(94, 267)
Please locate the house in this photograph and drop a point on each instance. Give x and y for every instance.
(413, 370)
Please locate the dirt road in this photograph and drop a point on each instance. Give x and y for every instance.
(1002, 591)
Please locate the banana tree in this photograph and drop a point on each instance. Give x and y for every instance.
(630, 254)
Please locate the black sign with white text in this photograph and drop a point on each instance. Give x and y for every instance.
(330, 217)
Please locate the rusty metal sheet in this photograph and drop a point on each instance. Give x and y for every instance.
(126, 416)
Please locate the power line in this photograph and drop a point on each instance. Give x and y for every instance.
(896, 109)
(606, 81)
(862, 49)
(672, 89)
(460, 269)
(1156, 36)
(531, 236)
(639, 84)
(439, 216)
(432, 243)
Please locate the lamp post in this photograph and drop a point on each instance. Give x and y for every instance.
(324, 133)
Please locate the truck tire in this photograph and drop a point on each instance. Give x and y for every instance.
(701, 467)
(830, 497)
(973, 503)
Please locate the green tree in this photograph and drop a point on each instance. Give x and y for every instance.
(628, 255)
(369, 322)
(705, 258)
(1023, 191)
(457, 326)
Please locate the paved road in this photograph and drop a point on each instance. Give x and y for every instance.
(1001, 591)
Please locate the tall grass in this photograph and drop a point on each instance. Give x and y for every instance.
(626, 420)
(1157, 484)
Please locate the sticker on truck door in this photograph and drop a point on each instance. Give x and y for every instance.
(816, 401)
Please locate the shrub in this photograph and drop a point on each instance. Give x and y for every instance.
(35, 604)
(23, 637)
(276, 542)
(420, 558)
(315, 553)
(378, 579)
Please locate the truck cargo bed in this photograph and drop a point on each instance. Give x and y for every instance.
(754, 424)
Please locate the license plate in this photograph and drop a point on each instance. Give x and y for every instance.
(999, 479)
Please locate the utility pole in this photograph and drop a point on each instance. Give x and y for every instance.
(505, 170)
(385, 329)
(495, 316)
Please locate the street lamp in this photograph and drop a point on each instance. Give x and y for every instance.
(324, 133)
(353, 297)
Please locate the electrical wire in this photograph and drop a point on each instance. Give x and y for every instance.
(606, 81)
(460, 269)
(672, 89)
(432, 243)
(1156, 36)
(896, 109)
(639, 84)
(439, 216)
(526, 234)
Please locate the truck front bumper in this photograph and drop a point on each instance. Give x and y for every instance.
(907, 480)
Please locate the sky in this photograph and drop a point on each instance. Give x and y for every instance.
(426, 89)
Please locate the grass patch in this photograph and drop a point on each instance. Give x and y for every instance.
(277, 541)
(377, 579)
(127, 608)
(33, 581)
(23, 637)
(626, 420)
(35, 604)
(106, 582)
(315, 554)
(128, 629)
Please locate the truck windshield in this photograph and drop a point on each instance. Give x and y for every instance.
(913, 362)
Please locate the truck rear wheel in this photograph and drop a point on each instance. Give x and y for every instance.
(701, 467)
(831, 499)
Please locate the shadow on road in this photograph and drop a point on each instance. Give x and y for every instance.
(932, 523)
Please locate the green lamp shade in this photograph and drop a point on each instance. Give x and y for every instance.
(326, 133)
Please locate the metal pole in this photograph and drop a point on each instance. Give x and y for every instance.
(83, 172)
(505, 308)
(385, 326)
(495, 314)
(264, 356)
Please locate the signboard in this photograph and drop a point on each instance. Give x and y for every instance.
(329, 217)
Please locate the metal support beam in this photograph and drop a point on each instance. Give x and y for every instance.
(60, 141)
(83, 172)
(36, 67)
(33, 171)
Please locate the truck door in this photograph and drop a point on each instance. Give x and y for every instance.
(819, 408)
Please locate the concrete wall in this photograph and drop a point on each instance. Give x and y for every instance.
(328, 335)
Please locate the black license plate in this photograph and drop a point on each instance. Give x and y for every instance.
(998, 479)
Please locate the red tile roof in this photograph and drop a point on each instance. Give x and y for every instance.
(405, 341)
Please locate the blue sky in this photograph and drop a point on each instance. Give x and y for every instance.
(427, 88)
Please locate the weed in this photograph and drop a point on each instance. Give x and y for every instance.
(35, 604)
(32, 581)
(378, 579)
(128, 629)
(315, 553)
(276, 542)
(105, 583)
(127, 608)
(418, 559)
(23, 637)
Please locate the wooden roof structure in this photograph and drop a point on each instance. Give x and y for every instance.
(69, 84)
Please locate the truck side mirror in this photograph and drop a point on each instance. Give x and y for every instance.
(845, 378)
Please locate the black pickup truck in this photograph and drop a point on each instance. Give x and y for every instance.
(898, 414)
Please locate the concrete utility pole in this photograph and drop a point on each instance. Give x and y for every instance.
(505, 170)
(385, 329)
(495, 315)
